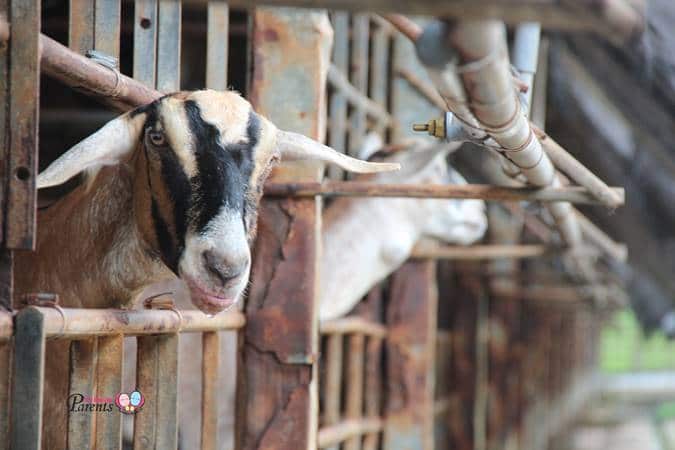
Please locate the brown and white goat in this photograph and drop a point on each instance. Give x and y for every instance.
(171, 190)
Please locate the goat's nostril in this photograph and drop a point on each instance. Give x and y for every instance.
(219, 268)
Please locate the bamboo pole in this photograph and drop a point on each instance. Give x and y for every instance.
(571, 194)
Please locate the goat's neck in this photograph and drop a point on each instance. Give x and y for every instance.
(88, 247)
(363, 242)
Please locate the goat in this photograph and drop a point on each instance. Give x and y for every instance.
(365, 240)
(170, 189)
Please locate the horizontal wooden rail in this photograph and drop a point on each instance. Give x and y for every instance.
(342, 431)
(77, 323)
(462, 191)
(354, 324)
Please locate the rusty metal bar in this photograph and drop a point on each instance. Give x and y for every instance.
(410, 346)
(353, 324)
(577, 171)
(358, 99)
(157, 379)
(433, 250)
(210, 363)
(348, 429)
(168, 45)
(109, 368)
(358, 75)
(354, 385)
(332, 382)
(27, 380)
(217, 41)
(572, 194)
(82, 382)
(73, 323)
(277, 394)
(23, 106)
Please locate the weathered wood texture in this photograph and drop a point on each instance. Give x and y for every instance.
(109, 367)
(157, 378)
(22, 102)
(278, 395)
(27, 380)
(412, 321)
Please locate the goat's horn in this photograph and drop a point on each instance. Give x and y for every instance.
(296, 147)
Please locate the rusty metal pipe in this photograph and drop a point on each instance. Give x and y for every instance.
(572, 194)
(77, 323)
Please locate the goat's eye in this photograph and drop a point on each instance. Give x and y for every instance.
(157, 138)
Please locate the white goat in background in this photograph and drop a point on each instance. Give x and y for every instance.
(366, 239)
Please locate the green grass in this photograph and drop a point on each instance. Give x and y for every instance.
(623, 347)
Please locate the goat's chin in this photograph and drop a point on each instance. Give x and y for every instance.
(210, 303)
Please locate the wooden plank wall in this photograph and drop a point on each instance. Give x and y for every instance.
(278, 399)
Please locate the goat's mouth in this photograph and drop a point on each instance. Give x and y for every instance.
(207, 301)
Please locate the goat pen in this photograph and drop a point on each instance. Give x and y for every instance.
(460, 348)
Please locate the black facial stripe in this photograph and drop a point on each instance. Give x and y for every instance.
(180, 192)
(223, 173)
(166, 247)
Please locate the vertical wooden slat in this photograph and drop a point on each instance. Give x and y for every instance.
(379, 70)
(210, 362)
(4, 143)
(82, 366)
(354, 385)
(411, 342)
(359, 77)
(277, 396)
(107, 19)
(333, 380)
(109, 368)
(81, 25)
(5, 379)
(373, 388)
(157, 379)
(217, 41)
(168, 45)
(145, 41)
(337, 109)
(24, 85)
(28, 376)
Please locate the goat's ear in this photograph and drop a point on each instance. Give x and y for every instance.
(106, 147)
(296, 147)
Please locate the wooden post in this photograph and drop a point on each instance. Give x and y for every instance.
(23, 101)
(277, 395)
(411, 318)
(29, 343)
